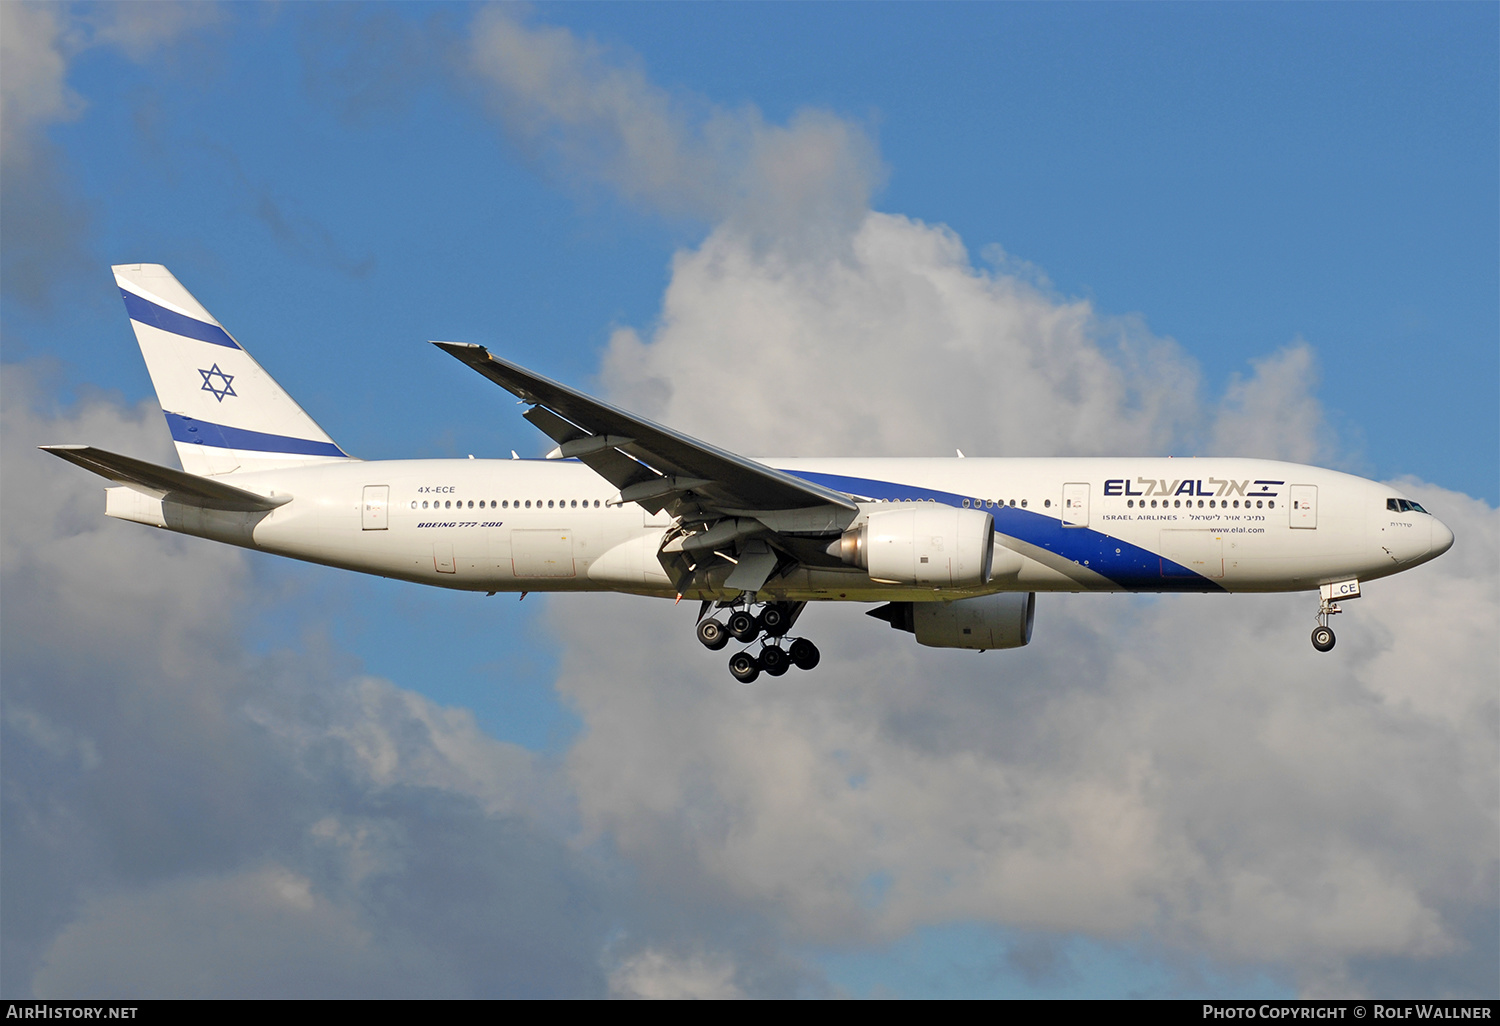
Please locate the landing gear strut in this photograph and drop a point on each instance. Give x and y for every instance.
(745, 626)
(1322, 635)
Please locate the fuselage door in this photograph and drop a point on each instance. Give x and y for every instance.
(375, 508)
(1075, 512)
(1304, 505)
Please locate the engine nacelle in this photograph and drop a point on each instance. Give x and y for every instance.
(937, 546)
(1002, 620)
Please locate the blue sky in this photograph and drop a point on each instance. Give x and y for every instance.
(1288, 212)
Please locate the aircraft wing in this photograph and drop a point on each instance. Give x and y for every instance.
(654, 465)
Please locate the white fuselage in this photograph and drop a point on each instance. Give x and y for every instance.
(1097, 524)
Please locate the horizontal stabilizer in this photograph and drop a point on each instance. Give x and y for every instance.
(164, 482)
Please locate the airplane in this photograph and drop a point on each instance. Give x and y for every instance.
(954, 549)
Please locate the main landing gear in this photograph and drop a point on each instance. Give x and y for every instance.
(776, 655)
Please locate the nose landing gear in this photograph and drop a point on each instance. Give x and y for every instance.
(774, 621)
(1322, 635)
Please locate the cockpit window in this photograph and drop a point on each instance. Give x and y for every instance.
(1403, 506)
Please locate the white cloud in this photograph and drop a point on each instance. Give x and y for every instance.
(33, 90)
(596, 115)
(901, 348)
(1274, 414)
(207, 938)
(140, 31)
(38, 41)
(46, 223)
(654, 975)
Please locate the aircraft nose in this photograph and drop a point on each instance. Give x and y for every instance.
(1442, 538)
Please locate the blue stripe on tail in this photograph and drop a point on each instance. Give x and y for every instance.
(202, 432)
(147, 312)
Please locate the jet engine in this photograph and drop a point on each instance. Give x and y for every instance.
(1002, 620)
(937, 546)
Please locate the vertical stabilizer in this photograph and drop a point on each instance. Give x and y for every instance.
(226, 414)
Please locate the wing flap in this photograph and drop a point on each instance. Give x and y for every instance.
(757, 564)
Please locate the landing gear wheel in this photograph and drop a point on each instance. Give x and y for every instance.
(774, 621)
(804, 654)
(1323, 639)
(743, 626)
(745, 667)
(712, 634)
(774, 660)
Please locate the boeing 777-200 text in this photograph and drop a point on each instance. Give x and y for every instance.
(955, 550)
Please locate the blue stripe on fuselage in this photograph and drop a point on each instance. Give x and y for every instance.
(147, 312)
(1127, 565)
(202, 432)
